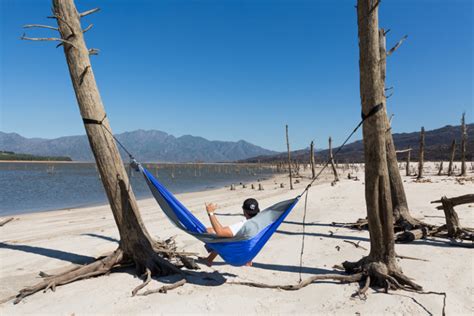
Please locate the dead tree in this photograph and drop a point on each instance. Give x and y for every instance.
(421, 154)
(331, 158)
(451, 159)
(136, 245)
(407, 171)
(401, 213)
(289, 158)
(440, 170)
(311, 160)
(463, 145)
(453, 226)
(380, 265)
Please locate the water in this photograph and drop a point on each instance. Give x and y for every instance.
(34, 187)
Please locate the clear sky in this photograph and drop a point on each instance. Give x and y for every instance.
(230, 70)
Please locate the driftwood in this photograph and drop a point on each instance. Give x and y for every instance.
(421, 154)
(463, 199)
(453, 152)
(463, 144)
(311, 160)
(331, 158)
(6, 221)
(440, 170)
(289, 158)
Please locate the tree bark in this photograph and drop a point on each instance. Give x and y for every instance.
(440, 170)
(452, 219)
(451, 160)
(331, 158)
(407, 171)
(380, 264)
(311, 160)
(401, 213)
(421, 154)
(463, 144)
(289, 158)
(135, 241)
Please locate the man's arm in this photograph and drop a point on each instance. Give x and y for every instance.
(220, 230)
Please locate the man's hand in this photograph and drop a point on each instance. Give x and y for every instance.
(210, 207)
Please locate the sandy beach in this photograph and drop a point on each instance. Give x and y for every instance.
(54, 241)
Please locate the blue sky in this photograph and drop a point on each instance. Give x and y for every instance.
(230, 70)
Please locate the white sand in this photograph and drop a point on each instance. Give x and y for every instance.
(53, 241)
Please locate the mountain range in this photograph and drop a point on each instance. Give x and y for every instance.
(437, 147)
(146, 145)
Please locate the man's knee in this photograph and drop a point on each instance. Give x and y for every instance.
(210, 230)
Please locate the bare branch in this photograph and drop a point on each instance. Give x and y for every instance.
(83, 14)
(87, 28)
(94, 51)
(374, 7)
(394, 48)
(403, 150)
(28, 26)
(389, 88)
(58, 17)
(51, 39)
(8, 220)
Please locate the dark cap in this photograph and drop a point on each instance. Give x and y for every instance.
(251, 206)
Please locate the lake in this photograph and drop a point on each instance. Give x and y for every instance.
(33, 187)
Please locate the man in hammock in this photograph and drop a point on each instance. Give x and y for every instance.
(250, 209)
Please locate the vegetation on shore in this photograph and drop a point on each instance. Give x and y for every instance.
(10, 155)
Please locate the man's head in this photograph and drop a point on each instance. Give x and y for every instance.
(250, 208)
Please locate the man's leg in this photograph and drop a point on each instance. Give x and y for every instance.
(211, 258)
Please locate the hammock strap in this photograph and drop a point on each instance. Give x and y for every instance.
(97, 122)
(372, 112)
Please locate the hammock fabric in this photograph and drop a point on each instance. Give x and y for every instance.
(237, 250)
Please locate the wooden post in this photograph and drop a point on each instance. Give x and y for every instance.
(421, 154)
(311, 160)
(440, 168)
(336, 178)
(463, 144)
(407, 171)
(289, 158)
(451, 159)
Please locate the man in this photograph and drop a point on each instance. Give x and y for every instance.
(250, 209)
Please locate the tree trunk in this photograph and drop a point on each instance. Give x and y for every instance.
(311, 160)
(289, 158)
(463, 144)
(380, 263)
(440, 170)
(451, 159)
(422, 153)
(401, 211)
(452, 219)
(136, 246)
(407, 171)
(331, 157)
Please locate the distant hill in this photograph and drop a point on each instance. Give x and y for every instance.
(437, 147)
(146, 145)
(9, 155)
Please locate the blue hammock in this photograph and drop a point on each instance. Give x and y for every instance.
(237, 250)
